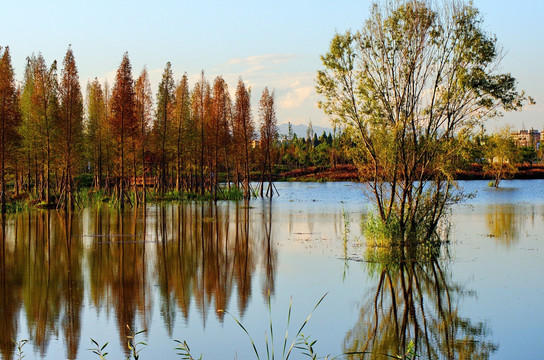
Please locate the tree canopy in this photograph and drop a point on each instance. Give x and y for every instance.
(416, 74)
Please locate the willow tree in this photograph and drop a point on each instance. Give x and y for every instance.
(416, 74)
(501, 154)
(70, 124)
(9, 119)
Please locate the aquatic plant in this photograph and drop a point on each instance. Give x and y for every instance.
(184, 352)
(99, 350)
(269, 345)
(133, 345)
(380, 232)
(20, 345)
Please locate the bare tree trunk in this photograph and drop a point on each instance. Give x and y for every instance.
(134, 174)
(48, 178)
(144, 199)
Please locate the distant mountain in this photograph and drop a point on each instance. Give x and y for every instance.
(300, 130)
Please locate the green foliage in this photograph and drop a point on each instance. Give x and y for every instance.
(184, 352)
(181, 196)
(381, 232)
(99, 350)
(133, 345)
(528, 154)
(16, 206)
(405, 87)
(286, 352)
(87, 197)
(20, 345)
(410, 353)
(306, 346)
(83, 180)
(501, 154)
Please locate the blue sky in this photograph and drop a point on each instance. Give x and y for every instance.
(274, 43)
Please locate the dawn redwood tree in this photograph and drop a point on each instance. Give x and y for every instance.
(144, 113)
(43, 111)
(110, 153)
(416, 74)
(199, 111)
(9, 119)
(122, 119)
(93, 131)
(182, 124)
(163, 121)
(28, 128)
(96, 131)
(70, 124)
(269, 136)
(220, 112)
(243, 131)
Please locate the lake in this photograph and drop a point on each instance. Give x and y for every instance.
(67, 278)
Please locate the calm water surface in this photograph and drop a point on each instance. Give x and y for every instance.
(65, 279)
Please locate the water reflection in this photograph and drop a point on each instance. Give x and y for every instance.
(42, 274)
(200, 255)
(504, 223)
(11, 279)
(415, 300)
(117, 267)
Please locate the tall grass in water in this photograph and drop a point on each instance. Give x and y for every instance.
(86, 197)
(298, 339)
(381, 233)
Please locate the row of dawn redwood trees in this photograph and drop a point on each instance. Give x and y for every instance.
(127, 141)
(181, 142)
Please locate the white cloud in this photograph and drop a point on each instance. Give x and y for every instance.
(260, 63)
(296, 97)
(262, 59)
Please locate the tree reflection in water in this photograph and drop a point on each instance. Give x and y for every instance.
(11, 284)
(42, 274)
(196, 253)
(504, 222)
(415, 300)
(117, 268)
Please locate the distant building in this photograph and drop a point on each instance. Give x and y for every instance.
(527, 138)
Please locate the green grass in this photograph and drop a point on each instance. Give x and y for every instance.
(88, 197)
(381, 233)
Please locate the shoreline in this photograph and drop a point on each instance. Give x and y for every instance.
(350, 173)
